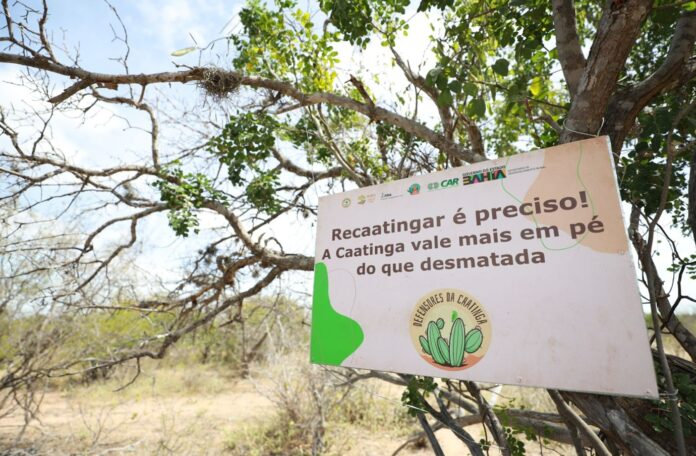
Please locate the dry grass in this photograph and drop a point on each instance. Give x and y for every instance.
(190, 408)
(166, 411)
(199, 410)
(202, 410)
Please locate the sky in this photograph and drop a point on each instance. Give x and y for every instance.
(155, 29)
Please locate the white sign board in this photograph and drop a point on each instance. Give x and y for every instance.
(513, 271)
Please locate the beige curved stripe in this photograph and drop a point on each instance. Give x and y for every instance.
(575, 167)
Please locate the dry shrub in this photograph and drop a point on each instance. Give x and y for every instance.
(314, 413)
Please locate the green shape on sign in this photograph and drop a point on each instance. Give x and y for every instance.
(334, 336)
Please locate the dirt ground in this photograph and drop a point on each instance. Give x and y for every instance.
(139, 425)
(142, 422)
(186, 409)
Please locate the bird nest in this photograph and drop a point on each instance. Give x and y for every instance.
(219, 83)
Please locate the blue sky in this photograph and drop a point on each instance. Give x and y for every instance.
(155, 29)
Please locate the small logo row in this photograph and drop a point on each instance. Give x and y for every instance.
(468, 178)
(371, 198)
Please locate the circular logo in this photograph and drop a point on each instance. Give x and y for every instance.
(414, 189)
(450, 329)
(345, 202)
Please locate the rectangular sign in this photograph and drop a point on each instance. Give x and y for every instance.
(514, 271)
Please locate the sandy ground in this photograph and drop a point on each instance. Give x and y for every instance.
(192, 424)
(202, 410)
(142, 424)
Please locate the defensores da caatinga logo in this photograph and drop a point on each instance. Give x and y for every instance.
(450, 329)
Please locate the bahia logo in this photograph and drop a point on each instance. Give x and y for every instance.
(484, 175)
(414, 189)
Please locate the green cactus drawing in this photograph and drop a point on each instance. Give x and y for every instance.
(457, 342)
(424, 344)
(474, 340)
(450, 352)
(444, 349)
(433, 337)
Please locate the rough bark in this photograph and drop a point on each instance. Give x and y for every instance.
(568, 44)
(637, 410)
(616, 34)
(575, 422)
(606, 413)
(626, 104)
(691, 218)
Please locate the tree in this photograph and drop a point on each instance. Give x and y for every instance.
(290, 125)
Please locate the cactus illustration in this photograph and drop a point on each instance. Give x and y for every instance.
(452, 352)
(433, 337)
(456, 348)
(474, 339)
(444, 349)
(424, 344)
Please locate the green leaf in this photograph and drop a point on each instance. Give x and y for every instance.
(470, 89)
(184, 51)
(455, 86)
(445, 98)
(441, 82)
(433, 75)
(476, 107)
(501, 67)
(536, 86)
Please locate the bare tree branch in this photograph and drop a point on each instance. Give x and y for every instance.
(374, 113)
(568, 413)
